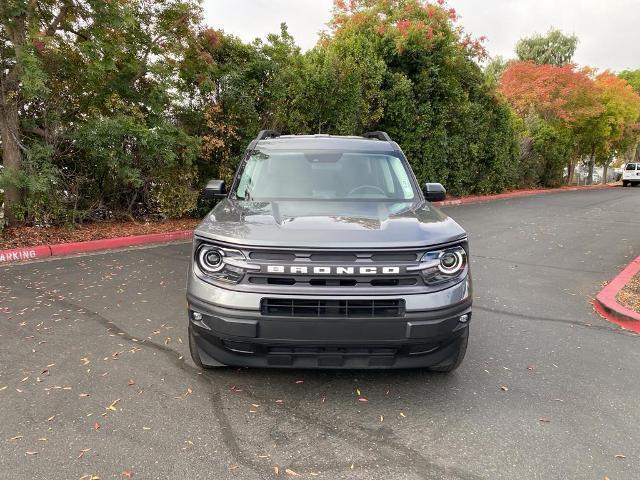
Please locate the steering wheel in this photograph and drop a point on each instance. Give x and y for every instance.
(361, 187)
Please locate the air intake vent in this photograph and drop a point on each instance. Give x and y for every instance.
(288, 307)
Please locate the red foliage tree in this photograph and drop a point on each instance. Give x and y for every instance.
(555, 93)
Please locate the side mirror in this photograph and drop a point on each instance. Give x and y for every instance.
(434, 192)
(214, 189)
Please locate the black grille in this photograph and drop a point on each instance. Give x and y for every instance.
(289, 307)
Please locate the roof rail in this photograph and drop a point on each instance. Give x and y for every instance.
(267, 134)
(378, 135)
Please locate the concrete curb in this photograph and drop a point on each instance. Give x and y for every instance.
(517, 193)
(608, 307)
(44, 251)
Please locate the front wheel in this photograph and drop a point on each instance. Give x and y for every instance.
(625, 183)
(454, 361)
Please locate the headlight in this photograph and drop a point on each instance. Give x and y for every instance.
(441, 266)
(223, 264)
(210, 259)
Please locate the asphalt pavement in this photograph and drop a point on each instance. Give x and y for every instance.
(96, 379)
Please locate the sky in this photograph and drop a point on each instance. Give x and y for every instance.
(608, 30)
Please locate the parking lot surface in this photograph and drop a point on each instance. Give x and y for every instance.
(96, 379)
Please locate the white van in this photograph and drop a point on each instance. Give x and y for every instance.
(631, 174)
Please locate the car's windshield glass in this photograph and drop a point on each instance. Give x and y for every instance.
(308, 175)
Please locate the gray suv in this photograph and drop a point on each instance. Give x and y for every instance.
(326, 253)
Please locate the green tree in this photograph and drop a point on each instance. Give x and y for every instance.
(425, 82)
(494, 69)
(95, 66)
(632, 77)
(553, 48)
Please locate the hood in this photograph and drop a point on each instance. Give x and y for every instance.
(329, 224)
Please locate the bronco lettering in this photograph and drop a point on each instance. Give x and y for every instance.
(324, 270)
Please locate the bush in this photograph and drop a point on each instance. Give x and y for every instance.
(173, 193)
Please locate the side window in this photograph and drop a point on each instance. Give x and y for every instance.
(631, 166)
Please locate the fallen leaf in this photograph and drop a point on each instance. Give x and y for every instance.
(29, 452)
(17, 437)
(96, 426)
(185, 394)
(127, 473)
(619, 455)
(233, 466)
(83, 451)
(51, 418)
(276, 470)
(131, 382)
(504, 388)
(299, 381)
(290, 472)
(544, 420)
(402, 415)
(83, 395)
(112, 407)
(362, 399)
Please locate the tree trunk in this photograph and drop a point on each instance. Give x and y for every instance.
(10, 119)
(570, 172)
(11, 153)
(592, 162)
(605, 170)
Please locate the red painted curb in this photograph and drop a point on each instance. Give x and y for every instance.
(21, 254)
(516, 193)
(608, 307)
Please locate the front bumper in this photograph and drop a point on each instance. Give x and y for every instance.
(233, 331)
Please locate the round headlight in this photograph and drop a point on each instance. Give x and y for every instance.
(210, 259)
(451, 262)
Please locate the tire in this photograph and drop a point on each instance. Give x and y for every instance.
(625, 183)
(455, 360)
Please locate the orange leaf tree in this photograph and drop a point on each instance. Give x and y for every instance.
(566, 99)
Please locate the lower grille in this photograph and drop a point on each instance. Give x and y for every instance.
(289, 307)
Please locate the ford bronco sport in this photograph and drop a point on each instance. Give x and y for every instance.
(325, 253)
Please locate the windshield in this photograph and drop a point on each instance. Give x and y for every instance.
(307, 175)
